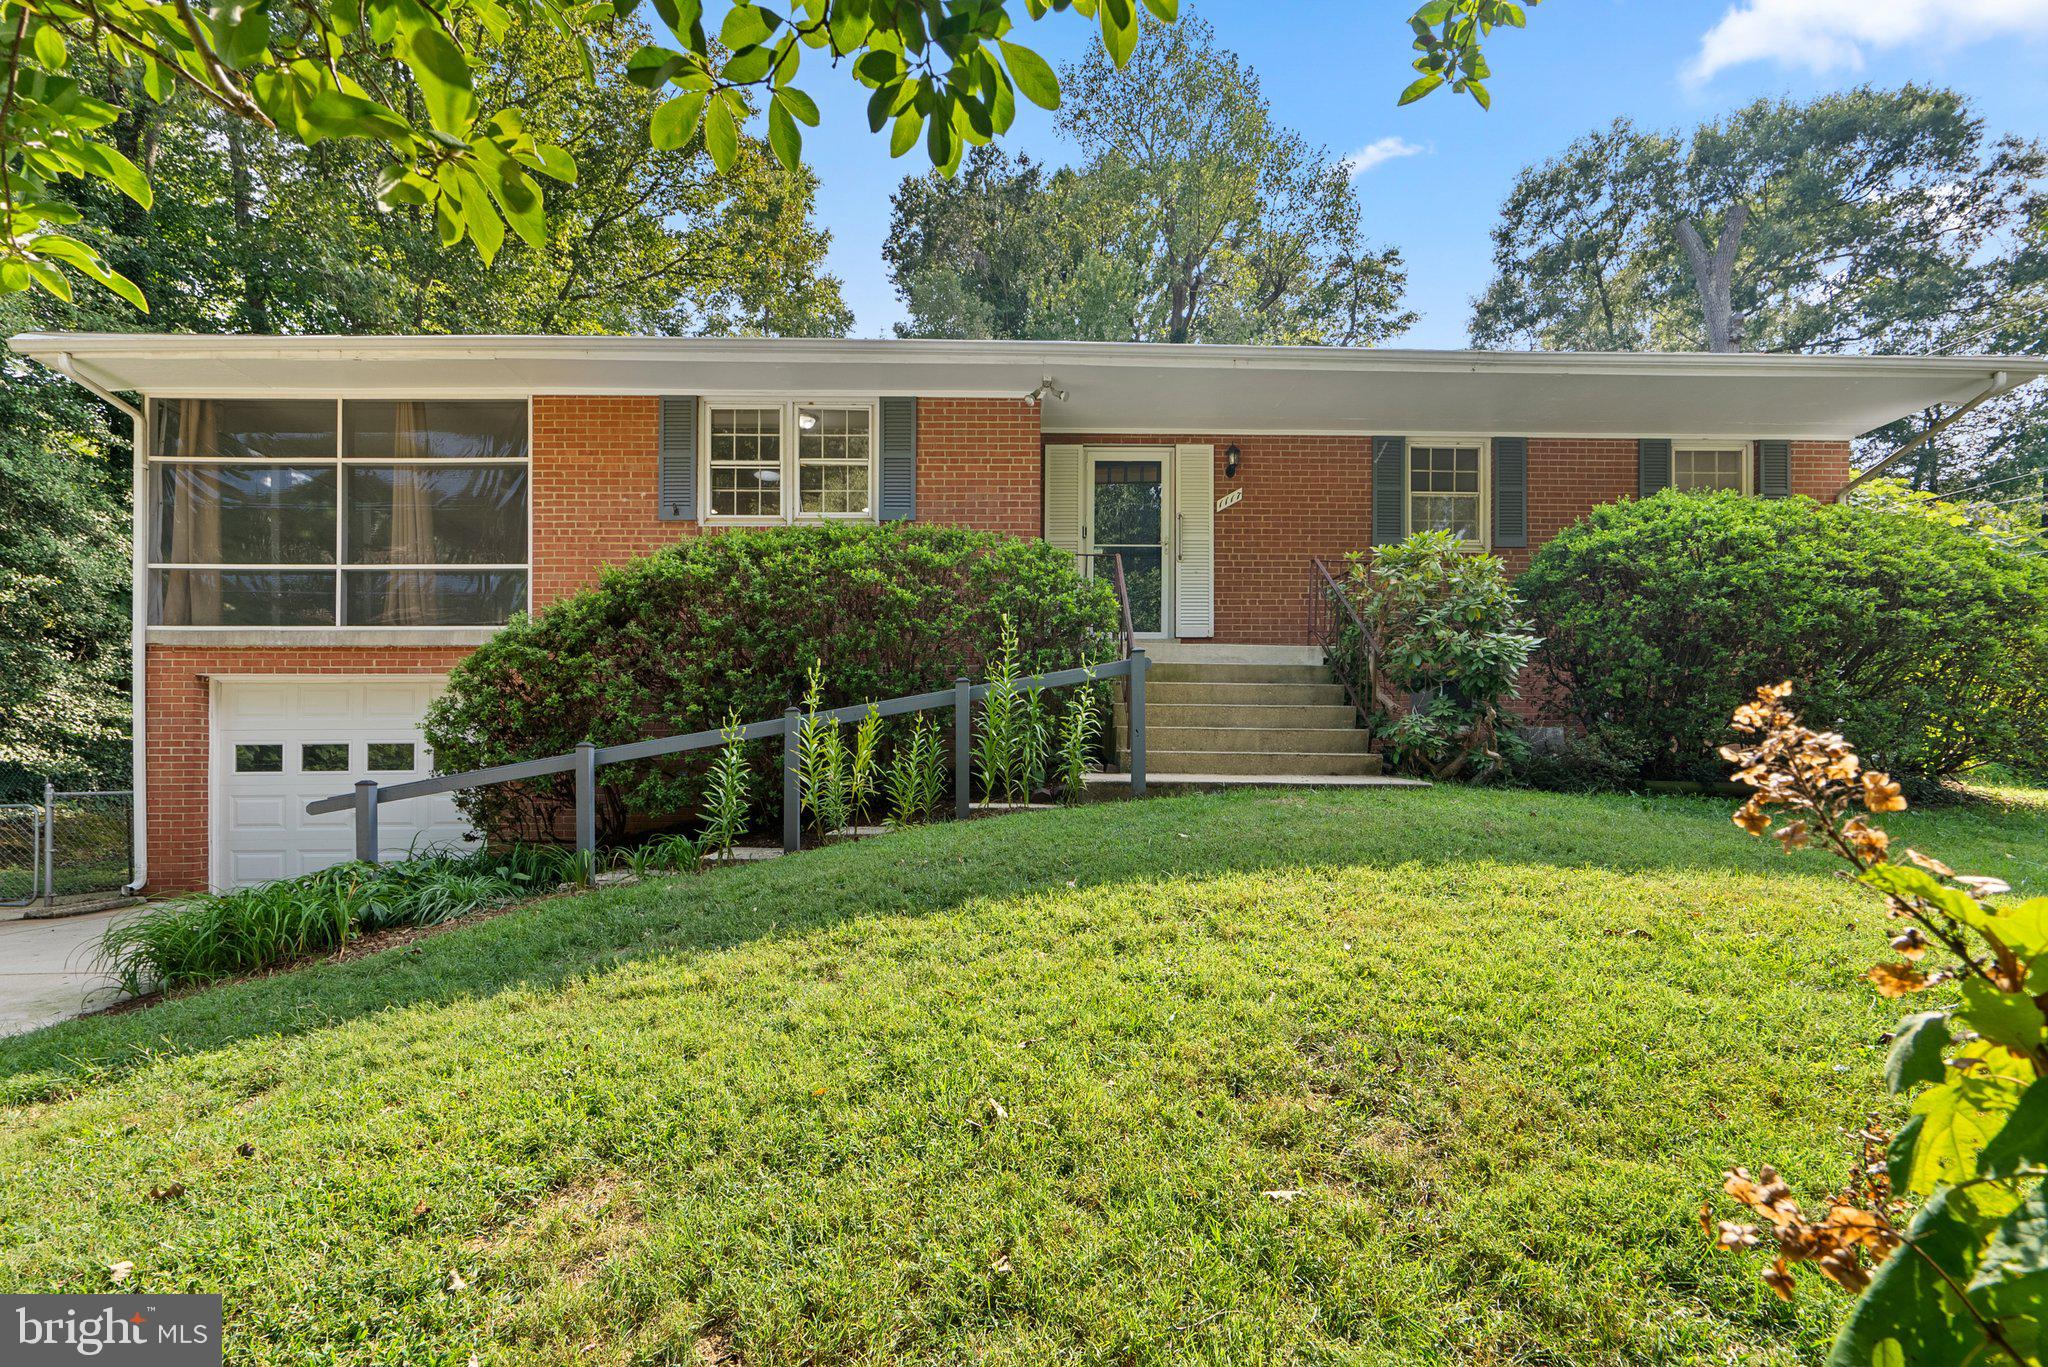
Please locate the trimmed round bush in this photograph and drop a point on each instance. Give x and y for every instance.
(729, 624)
(1925, 644)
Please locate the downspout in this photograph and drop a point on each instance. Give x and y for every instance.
(138, 616)
(2001, 383)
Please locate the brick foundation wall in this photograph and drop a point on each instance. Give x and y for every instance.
(979, 465)
(179, 739)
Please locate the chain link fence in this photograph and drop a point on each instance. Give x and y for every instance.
(70, 846)
(21, 853)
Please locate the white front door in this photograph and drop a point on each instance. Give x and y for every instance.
(1125, 513)
(279, 744)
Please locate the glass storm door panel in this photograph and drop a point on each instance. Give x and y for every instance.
(1127, 516)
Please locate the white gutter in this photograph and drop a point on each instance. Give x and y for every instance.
(138, 616)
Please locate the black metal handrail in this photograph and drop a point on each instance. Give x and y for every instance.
(585, 760)
(1330, 611)
(1123, 596)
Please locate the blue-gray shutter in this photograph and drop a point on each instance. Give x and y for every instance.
(1389, 490)
(899, 460)
(1653, 465)
(1510, 491)
(676, 460)
(1774, 474)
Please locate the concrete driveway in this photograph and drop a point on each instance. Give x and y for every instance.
(47, 969)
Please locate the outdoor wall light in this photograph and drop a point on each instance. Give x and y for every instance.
(1231, 456)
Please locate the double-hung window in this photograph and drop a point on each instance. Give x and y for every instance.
(361, 513)
(787, 462)
(1446, 487)
(1716, 465)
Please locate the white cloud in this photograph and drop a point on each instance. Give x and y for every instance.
(1378, 151)
(1836, 35)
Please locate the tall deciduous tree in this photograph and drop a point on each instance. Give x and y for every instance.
(1193, 216)
(1868, 220)
(63, 585)
(1857, 220)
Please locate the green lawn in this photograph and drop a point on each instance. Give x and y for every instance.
(1017, 1090)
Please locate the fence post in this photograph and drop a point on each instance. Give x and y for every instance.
(49, 845)
(963, 748)
(366, 820)
(792, 783)
(586, 803)
(1139, 664)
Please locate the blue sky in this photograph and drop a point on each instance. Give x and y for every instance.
(1331, 69)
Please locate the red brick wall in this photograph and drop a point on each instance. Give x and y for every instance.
(593, 489)
(1820, 469)
(179, 740)
(979, 465)
(1303, 497)
(1312, 496)
(594, 479)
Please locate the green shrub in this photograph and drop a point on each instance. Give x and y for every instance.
(1660, 615)
(218, 935)
(731, 623)
(1446, 653)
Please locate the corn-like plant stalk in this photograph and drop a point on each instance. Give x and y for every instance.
(1078, 735)
(1035, 722)
(904, 783)
(727, 796)
(996, 739)
(821, 760)
(863, 774)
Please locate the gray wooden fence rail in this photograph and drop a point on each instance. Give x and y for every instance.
(587, 759)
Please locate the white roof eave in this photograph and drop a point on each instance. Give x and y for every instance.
(1110, 386)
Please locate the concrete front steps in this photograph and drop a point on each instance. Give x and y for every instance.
(1247, 712)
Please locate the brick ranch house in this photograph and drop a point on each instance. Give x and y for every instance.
(329, 523)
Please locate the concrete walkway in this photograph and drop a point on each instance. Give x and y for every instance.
(48, 971)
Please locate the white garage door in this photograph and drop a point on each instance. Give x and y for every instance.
(277, 745)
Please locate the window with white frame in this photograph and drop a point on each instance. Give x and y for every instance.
(790, 461)
(318, 513)
(1721, 466)
(1446, 488)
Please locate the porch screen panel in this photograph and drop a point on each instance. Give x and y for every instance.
(310, 513)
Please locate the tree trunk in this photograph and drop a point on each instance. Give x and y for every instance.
(255, 289)
(1713, 276)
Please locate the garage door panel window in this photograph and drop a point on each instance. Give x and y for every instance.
(392, 756)
(324, 757)
(249, 527)
(259, 759)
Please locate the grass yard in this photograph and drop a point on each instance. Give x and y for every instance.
(1368, 1076)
